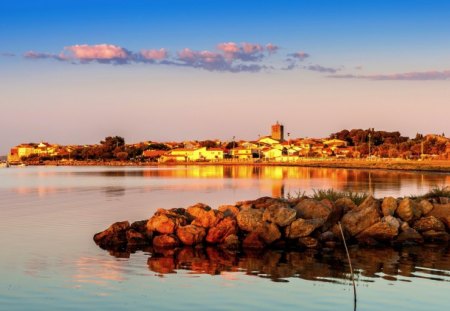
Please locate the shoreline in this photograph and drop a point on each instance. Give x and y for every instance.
(438, 166)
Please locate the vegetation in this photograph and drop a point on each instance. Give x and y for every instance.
(437, 192)
(333, 195)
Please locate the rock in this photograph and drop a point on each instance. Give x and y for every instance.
(327, 236)
(310, 209)
(281, 216)
(231, 242)
(361, 218)
(425, 206)
(428, 223)
(165, 223)
(370, 201)
(408, 210)
(229, 210)
(346, 204)
(436, 236)
(409, 236)
(269, 232)
(404, 226)
(389, 206)
(441, 212)
(252, 240)
(222, 230)
(203, 215)
(165, 241)
(250, 219)
(385, 230)
(136, 238)
(115, 235)
(303, 227)
(191, 234)
(444, 200)
(308, 242)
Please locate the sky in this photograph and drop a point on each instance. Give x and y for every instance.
(74, 72)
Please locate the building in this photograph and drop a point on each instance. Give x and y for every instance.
(278, 132)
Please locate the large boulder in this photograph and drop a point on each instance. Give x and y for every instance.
(303, 227)
(441, 212)
(203, 215)
(310, 209)
(408, 210)
(135, 238)
(389, 206)
(279, 215)
(229, 210)
(269, 232)
(435, 236)
(428, 223)
(231, 242)
(252, 240)
(409, 236)
(426, 206)
(165, 223)
(346, 204)
(191, 234)
(114, 236)
(250, 219)
(384, 230)
(165, 241)
(222, 230)
(361, 218)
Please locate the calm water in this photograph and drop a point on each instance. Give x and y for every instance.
(49, 261)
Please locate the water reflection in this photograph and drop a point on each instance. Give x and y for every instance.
(432, 262)
(300, 178)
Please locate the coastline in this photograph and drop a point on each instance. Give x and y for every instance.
(440, 166)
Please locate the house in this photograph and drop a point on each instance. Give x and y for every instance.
(268, 140)
(192, 155)
(272, 154)
(241, 153)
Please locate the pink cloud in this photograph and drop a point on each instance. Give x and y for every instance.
(300, 55)
(250, 48)
(229, 47)
(411, 76)
(97, 52)
(271, 48)
(155, 54)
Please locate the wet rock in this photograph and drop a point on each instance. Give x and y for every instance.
(308, 242)
(346, 204)
(203, 215)
(229, 210)
(115, 235)
(281, 216)
(389, 206)
(250, 219)
(327, 236)
(310, 209)
(222, 230)
(428, 223)
(409, 236)
(303, 227)
(425, 206)
(252, 240)
(435, 236)
(269, 232)
(165, 223)
(166, 241)
(383, 231)
(441, 212)
(135, 238)
(408, 210)
(191, 234)
(361, 218)
(231, 242)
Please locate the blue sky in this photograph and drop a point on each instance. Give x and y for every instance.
(382, 64)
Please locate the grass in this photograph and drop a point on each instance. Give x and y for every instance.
(437, 192)
(333, 195)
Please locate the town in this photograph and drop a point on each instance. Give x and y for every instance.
(274, 148)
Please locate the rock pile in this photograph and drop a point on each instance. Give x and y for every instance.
(279, 223)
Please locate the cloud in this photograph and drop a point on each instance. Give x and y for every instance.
(102, 53)
(245, 51)
(408, 76)
(299, 55)
(155, 54)
(294, 58)
(320, 68)
(272, 48)
(39, 55)
(7, 54)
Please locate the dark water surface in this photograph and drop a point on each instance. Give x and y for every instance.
(49, 261)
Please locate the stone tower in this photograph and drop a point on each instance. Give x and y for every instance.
(278, 132)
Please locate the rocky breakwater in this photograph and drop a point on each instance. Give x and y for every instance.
(285, 224)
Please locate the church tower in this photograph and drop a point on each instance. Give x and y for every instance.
(278, 132)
